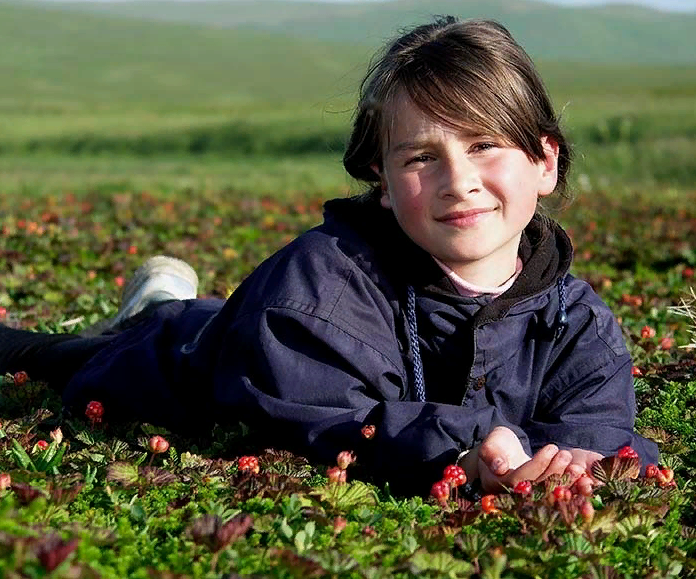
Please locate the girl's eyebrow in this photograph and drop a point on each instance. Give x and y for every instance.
(425, 142)
(411, 145)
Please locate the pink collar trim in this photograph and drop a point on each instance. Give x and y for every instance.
(466, 289)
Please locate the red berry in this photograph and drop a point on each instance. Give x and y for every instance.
(5, 481)
(158, 444)
(665, 476)
(3, 312)
(666, 343)
(132, 250)
(94, 411)
(587, 511)
(441, 491)
(119, 280)
(488, 504)
(337, 475)
(368, 431)
(57, 435)
(249, 463)
(562, 493)
(688, 272)
(20, 378)
(345, 459)
(339, 524)
(369, 531)
(524, 488)
(42, 445)
(647, 332)
(636, 371)
(627, 452)
(651, 471)
(454, 475)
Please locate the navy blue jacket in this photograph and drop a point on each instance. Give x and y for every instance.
(316, 343)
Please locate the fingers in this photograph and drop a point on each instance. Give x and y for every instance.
(502, 451)
(534, 468)
(557, 465)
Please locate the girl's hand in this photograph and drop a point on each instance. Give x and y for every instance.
(500, 461)
(499, 453)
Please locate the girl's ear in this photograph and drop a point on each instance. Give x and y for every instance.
(548, 166)
(384, 199)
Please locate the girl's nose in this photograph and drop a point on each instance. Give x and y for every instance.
(459, 178)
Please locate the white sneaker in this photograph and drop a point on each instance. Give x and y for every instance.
(160, 278)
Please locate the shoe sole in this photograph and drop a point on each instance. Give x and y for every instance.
(144, 284)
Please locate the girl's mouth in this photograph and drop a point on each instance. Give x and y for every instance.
(465, 218)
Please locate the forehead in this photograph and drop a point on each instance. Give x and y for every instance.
(405, 123)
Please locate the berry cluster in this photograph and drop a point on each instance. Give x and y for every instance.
(249, 464)
(663, 476)
(338, 474)
(452, 477)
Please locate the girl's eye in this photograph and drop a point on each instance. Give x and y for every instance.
(484, 146)
(418, 159)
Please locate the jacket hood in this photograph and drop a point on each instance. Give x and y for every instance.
(545, 250)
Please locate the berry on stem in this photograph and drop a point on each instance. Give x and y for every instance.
(665, 476)
(158, 444)
(94, 412)
(647, 332)
(337, 475)
(651, 471)
(562, 493)
(42, 445)
(524, 488)
(249, 464)
(368, 431)
(5, 481)
(20, 378)
(454, 475)
(488, 504)
(627, 452)
(587, 511)
(440, 491)
(57, 435)
(345, 458)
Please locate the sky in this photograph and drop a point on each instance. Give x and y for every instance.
(669, 5)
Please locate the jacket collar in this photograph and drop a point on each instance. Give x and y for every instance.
(545, 249)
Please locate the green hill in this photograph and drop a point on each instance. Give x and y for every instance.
(618, 33)
(54, 59)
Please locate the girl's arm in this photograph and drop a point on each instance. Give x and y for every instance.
(312, 386)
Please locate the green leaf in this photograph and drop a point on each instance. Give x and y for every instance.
(300, 541)
(123, 473)
(348, 496)
(285, 529)
(442, 563)
(21, 457)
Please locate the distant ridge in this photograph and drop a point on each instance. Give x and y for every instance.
(606, 34)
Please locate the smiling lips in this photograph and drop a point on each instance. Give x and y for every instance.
(465, 218)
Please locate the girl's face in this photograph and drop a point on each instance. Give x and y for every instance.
(463, 197)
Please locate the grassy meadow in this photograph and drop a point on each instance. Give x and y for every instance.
(122, 137)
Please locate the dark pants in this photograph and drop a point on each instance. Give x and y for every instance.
(54, 358)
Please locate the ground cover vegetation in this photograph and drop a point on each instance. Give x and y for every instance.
(97, 176)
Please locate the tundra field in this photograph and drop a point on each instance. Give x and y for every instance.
(134, 157)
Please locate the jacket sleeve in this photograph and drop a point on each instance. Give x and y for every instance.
(313, 385)
(588, 399)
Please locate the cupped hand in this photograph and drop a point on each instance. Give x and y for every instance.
(500, 461)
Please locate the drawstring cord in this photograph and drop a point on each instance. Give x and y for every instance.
(419, 382)
(562, 316)
(415, 347)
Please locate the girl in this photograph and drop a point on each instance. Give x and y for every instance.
(437, 307)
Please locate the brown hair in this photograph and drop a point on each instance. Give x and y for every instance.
(469, 74)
